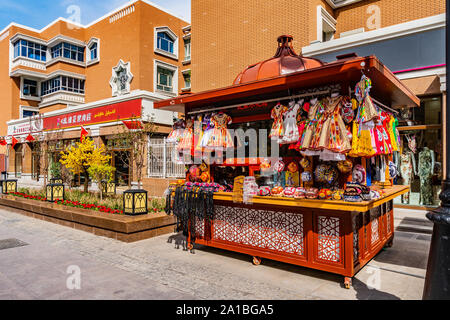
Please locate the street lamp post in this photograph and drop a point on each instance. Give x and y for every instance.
(437, 281)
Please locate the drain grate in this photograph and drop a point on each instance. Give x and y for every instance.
(11, 243)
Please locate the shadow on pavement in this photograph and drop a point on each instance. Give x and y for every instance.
(363, 292)
(180, 241)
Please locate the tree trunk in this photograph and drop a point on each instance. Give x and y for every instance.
(86, 181)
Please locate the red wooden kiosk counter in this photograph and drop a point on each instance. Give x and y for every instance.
(293, 162)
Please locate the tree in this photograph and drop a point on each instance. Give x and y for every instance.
(136, 140)
(100, 172)
(55, 169)
(80, 157)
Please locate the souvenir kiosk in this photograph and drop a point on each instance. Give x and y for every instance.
(293, 162)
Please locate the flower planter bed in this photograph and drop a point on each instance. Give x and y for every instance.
(68, 203)
(116, 226)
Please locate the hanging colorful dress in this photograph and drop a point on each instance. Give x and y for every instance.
(382, 138)
(208, 127)
(364, 133)
(291, 134)
(187, 139)
(393, 133)
(333, 134)
(277, 115)
(315, 116)
(301, 124)
(177, 131)
(220, 137)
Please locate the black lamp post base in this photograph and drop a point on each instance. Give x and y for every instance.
(437, 281)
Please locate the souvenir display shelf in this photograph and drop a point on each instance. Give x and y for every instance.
(330, 235)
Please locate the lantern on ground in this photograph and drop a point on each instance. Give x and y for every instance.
(55, 192)
(135, 202)
(9, 186)
(108, 187)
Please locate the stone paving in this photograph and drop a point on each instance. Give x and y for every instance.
(159, 268)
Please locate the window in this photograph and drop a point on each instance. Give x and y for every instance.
(35, 161)
(56, 51)
(165, 42)
(93, 49)
(326, 25)
(28, 49)
(29, 113)
(18, 161)
(165, 79)
(62, 83)
(187, 49)
(187, 79)
(68, 51)
(30, 88)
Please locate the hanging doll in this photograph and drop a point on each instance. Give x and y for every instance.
(363, 142)
(277, 115)
(177, 131)
(291, 134)
(220, 137)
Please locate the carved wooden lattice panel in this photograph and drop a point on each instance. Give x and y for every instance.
(375, 228)
(356, 221)
(279, 231)
(199, 228)
(329, 244)
(389, 221)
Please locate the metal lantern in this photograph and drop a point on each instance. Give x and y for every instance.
(9, 186)
(108, 187)
(135, 202)
(55, 191)
(56, 181)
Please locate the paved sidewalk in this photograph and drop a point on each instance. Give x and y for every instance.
(158, 268)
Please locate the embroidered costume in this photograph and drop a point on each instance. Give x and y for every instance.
(277, 115)
(220, 138)
(291, 134)
(187, 139)
(177, 131)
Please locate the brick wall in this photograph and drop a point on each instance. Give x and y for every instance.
(391, 12)
(230, 35)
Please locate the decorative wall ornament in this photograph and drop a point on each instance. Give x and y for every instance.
(121, 78)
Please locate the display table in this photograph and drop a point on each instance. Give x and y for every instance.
(333, 236)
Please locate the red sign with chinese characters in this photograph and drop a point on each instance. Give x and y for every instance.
(110, 113)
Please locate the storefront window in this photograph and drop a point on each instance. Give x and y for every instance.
(120, 159)
(421, 157)
(35, 160)
(18, 157)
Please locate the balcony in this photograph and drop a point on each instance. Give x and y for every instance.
(61, 97)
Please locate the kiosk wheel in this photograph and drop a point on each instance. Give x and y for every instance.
(347, 282)
(256, 261)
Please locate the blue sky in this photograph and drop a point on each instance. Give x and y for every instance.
(39, 13)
